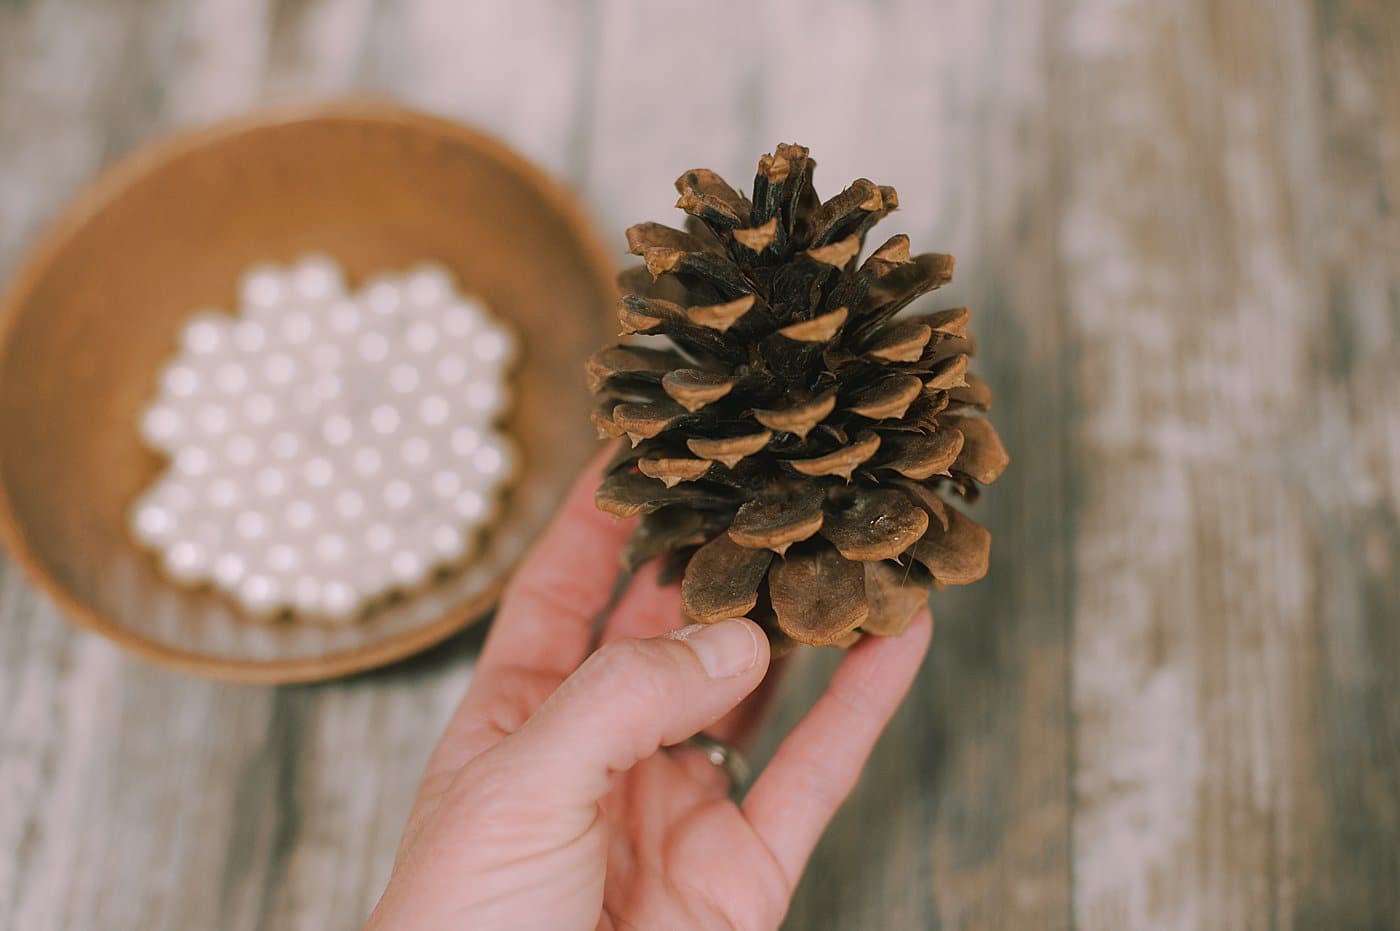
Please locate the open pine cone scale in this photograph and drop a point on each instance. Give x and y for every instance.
(791, 438)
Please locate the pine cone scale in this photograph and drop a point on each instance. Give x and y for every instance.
(818, 596)
(722, 580)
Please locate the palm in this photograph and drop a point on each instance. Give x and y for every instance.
(680, 854)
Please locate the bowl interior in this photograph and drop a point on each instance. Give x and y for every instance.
(95, 313)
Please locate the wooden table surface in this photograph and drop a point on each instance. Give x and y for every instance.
(1175, 701)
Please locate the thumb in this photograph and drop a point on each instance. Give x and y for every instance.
(634, 696)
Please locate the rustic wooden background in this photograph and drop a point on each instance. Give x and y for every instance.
(1174, 703)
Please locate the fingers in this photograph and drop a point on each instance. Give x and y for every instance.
(819, 763)
(736, 729)
(649, 609)
(630, 698)
(545, 622)
(543, 628)
(740, 725)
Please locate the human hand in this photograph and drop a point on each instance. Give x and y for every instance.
(549, 802)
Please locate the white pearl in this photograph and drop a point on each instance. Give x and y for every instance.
(186, 561)
(239, 449)
(205, 334)
(282, 558)
(451, 369)
(372, 346)
(250, 525)
(151, 523)
(271, 482)
(449, 543)
(231, 378)
(338, 600)
(344, 318)
(229, 569)
(213, 419)
(470, 505)
(460, 320)
(259, 409)
(317, 278)
(349, 504)
(491, 346)
(427, 285)
(337, 430)
(299, 514)
(327, 387)
(446, 484)
(493, 460)
(465, 440)
(434, 410)
(421, 337)
(296, 328)
(284, 445)
(383, 297)
(263, 287)
(408, 567)
(484, 397)
(384, 419)
(330, 548)
(398, 494)
(261, 594)
(380, 537)
(223, 493)
(193, 461)
(403, 378)
(161, 425)
(180, 381)
(279, 368)
(250, 336)
(416, 452)
(367, 461)
(318, 472)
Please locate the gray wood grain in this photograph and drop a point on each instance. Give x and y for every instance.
(1174, 702)
(1234, 691)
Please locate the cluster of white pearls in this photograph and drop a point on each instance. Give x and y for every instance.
(327, 448)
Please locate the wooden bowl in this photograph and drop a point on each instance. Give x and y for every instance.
(93, 313)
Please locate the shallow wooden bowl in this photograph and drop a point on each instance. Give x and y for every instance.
(93, 313)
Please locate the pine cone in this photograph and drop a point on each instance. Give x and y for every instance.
(791, 439)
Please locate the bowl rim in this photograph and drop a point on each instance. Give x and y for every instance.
(140, 163)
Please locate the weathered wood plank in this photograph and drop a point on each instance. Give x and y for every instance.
(521, 70)
(1220, 561)
(56, 688)
(1347, 769)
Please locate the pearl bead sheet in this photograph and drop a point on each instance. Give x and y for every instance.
(326, 448)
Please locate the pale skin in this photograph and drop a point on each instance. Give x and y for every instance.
(557, 797)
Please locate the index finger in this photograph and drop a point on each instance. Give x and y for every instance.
(545, 622)
(818, 764)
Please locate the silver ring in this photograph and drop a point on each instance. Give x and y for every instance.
(725, 757)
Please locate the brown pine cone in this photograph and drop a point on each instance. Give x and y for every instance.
(792, 437)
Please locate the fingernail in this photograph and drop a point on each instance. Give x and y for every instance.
(725, 649)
